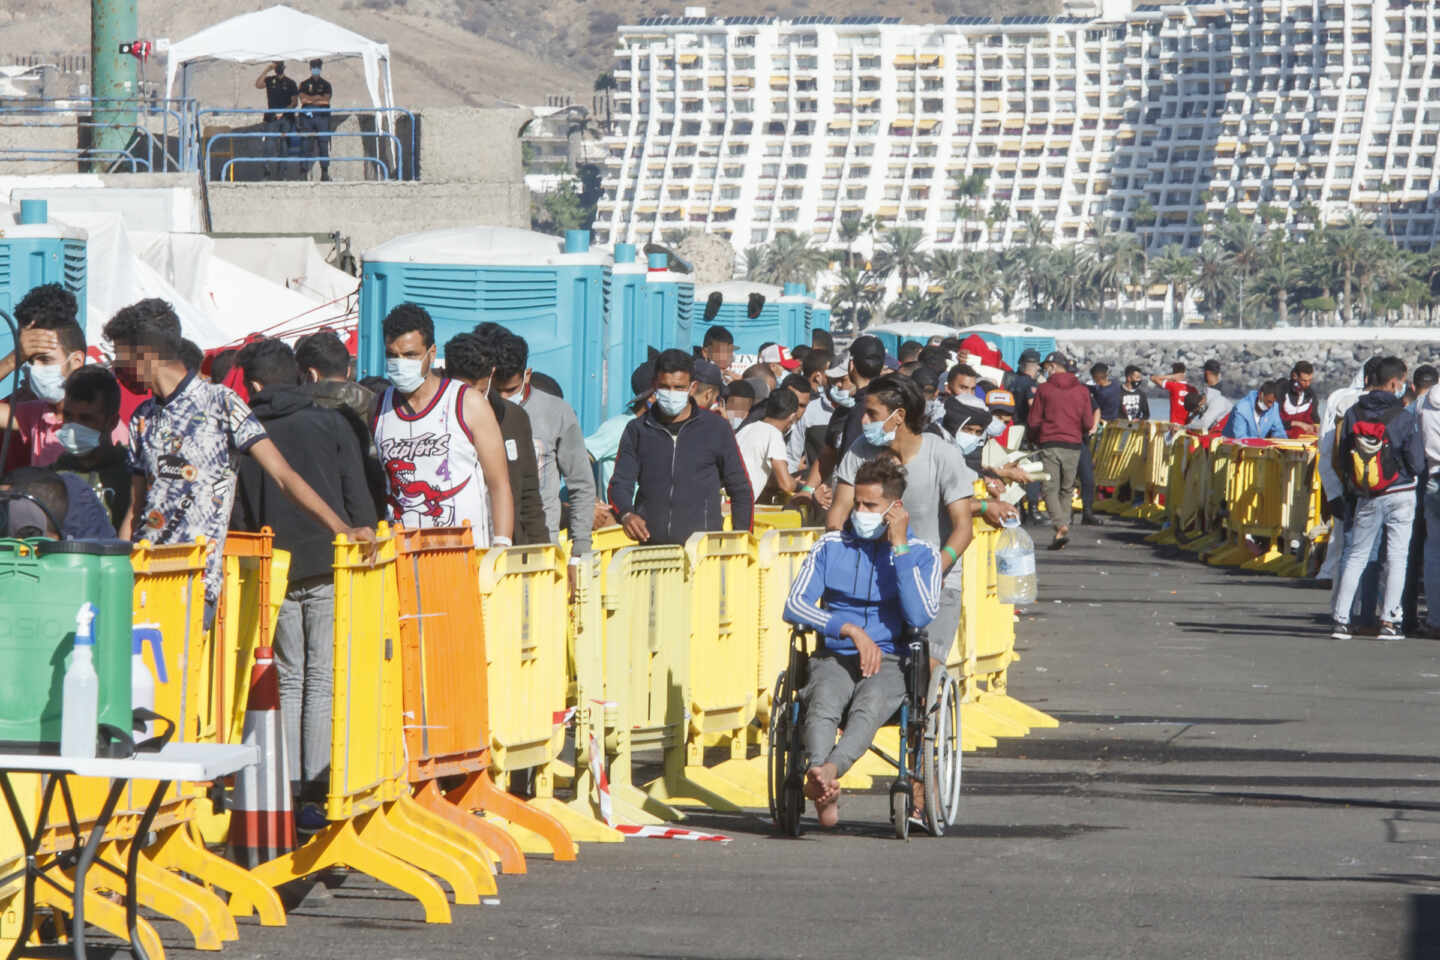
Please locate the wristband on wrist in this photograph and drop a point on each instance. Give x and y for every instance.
(807, 489)
(954, 557)
(984, 506)
(498, 541)
(901, 549)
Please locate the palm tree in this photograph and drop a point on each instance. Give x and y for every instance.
(1213, 276)
(852, 229)
(915, 305)
(852, 288)
(1175, 269)
(1242, 244)
(969, 189)
(792, 259)
(1348, 247)
(900, 253)
(1279, 275)
(755, 264)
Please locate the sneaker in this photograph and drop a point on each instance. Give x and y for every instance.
(1390, 631)
(310, 819)
(1339, 631)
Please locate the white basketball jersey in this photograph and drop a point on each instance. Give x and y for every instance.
(433, 478)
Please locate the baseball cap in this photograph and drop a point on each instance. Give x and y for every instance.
(1002, 399)
(892, 362)
(707, 373)
(840, 366)
(1212, 366)
(1057, 357)
(1030, 355)
(778, 354)
(867, 348)
(24, 518)
(642, 380)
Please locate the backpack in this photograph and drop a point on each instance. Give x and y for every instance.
(1374, 464)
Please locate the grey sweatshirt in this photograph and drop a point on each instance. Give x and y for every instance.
(1430, 426)
(560, 452)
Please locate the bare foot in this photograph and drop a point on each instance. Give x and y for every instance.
(917, 792)
(815, 787)
(827, 804)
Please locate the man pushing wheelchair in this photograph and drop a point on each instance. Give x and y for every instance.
(863, 589)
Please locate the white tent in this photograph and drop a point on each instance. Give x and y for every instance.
(281, 33)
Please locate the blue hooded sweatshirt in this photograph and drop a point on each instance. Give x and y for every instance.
(866, 583)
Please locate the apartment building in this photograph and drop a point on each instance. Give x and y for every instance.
(1143, 117)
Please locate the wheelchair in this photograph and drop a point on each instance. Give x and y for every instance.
(929, 748)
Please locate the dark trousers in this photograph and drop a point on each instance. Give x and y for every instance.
(1085, 474)
(1415, 571)
(316, 123)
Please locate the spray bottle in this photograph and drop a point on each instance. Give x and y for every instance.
(142, 684)
(80, 706)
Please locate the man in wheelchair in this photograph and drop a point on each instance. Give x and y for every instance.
(861, 588)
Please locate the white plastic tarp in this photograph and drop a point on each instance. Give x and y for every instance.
(282, 33)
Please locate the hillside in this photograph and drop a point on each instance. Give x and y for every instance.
(445, 52)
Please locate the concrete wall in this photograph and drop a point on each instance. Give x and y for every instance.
(469, 143)
(368, 213)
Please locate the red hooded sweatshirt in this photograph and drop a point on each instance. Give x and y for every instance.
(1061, 412)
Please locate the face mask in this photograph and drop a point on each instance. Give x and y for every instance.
(877, 436)
(314, 71)
(405, 372)
(1400, 392)
(841, 398)
(867, 526)
(735, 421)
(996, 428)
(77, 438)
(47, 381)
(671, 402)
(968, 442)
(934, 410)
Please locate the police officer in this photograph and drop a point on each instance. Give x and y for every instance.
(280, 94)
(315, 118)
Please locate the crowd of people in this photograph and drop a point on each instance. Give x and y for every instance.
(165, 444)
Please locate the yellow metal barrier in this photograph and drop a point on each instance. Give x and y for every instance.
(1118, 451)
(523, 591)
(633, 677)
(1152, 473)
(375, 826)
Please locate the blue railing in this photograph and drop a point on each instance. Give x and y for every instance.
(225, 173)
(390, 155)
(168, 149)
(303, 135)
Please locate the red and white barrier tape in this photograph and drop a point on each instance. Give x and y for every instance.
(670, 833)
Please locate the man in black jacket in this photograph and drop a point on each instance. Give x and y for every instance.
(472, 359)
(318, 445)
(675, 458)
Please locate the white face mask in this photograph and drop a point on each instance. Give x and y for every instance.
(934, 410)
(867, 526)
(841, 398)
(996, 428)
(735, 421)
(877, 436)
(47, 381)
(407, 373)
(77, 438)
(968, 442)
(671, 402)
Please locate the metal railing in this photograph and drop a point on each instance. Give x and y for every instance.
(308, 158)
(160, 134)
(394, 151)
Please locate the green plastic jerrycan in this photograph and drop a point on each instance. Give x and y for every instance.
(42, 585)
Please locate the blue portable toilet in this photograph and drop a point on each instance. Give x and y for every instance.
(777, 322)
(628, 291)
(1013, 339)
(796, 307)
(554, 297)
(34, 252)
(669, 307)
(819, 315)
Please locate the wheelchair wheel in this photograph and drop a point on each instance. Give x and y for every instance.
(784, 779)
(940, 753)
(900, 803)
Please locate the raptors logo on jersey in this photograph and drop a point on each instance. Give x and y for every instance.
(432, 473)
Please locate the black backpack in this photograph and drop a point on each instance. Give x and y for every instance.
(1374, 464)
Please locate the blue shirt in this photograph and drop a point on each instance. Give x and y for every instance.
(865, 583)
(1246, 424)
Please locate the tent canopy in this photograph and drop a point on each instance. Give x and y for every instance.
(281, 33)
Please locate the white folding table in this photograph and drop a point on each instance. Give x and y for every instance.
(173, 763)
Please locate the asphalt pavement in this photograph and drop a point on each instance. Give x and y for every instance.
(1226, 782)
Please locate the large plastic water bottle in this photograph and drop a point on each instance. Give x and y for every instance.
(80, 703)
(142, 683)
(1015, 566)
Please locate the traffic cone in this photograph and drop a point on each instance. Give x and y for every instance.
(262, 825)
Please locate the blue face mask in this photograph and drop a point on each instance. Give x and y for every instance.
(867, 526)
(314, 71)
(968, 442)
(1400, 392)
(877, 436)
(996, 428)
(841, 398)
(671, 402)
(405, 372)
